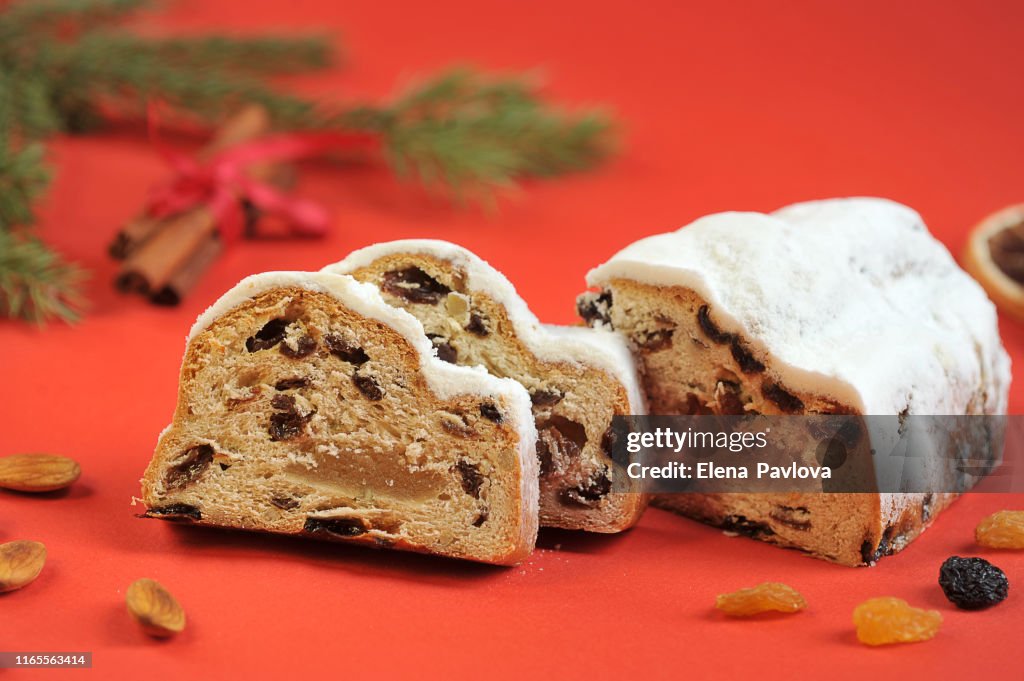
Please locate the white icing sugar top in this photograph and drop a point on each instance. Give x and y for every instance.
(445, 380)
(572, 345)
(851, 298)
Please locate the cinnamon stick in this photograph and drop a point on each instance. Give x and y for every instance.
(185, 279)
(167, 251)
(133, 234)
(248, 123)
(150, 268)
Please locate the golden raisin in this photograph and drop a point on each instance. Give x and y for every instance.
(1002, 530)
(770, 596)
(891, 620)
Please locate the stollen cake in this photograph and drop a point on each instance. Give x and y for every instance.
(307, 405)
(845, 306)
(578, 378)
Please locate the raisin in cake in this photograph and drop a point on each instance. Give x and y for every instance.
(307, 405)
(845, 306)
(578, 378)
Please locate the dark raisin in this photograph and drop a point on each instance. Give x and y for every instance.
(341, 527)
(544, 456)
(871, 553)
(304, 347)
(730, 402)
(190, 466)
(797, 517)
(291, 383)
(283, 402)
(368, 386)
(748, 528)
(710, 329)
(595, 308)
(481, 518)
(477, 324)
(545, 398)
(270, 335)
(224, 466)
(885, 546)
(867, 552)
(850, 432)
(588, 495)
(608, 441)
(175, 511)
(559, 441)
(491, 412)
(285, 503)
(345, 351)
(288, 424)
(832, 453)
(444, 349)
(653, 341)
(783, 399)
(748, 363)
(973, 583)
(414, 285)
(695, 406)
(472, 480)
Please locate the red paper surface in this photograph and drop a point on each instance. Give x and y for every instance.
(739, 105)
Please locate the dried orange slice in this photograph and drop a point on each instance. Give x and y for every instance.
(995, 257)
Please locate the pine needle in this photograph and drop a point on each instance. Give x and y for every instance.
(29, 18)
(471, 134)
(23, 177)
(36, 285)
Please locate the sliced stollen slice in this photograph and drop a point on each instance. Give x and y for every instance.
(578, 378)
(307, 405)
(844, 306)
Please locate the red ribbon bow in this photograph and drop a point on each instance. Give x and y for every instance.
(222, 182)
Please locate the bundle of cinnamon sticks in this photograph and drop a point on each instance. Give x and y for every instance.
(164, 258)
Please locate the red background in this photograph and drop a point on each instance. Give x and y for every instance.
(742, 105)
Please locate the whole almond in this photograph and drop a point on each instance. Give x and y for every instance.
(20, 563)
(154, 608)
(37, 472)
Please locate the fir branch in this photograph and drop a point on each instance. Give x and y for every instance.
(23, 177)
(471, 134)
(59, 61)
(264, 55)
(35, 283)
(26, 109)
(27, 19)
(97, 68)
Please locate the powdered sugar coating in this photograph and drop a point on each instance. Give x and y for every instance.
(570, 345)
(603, 345)
(850, 298)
